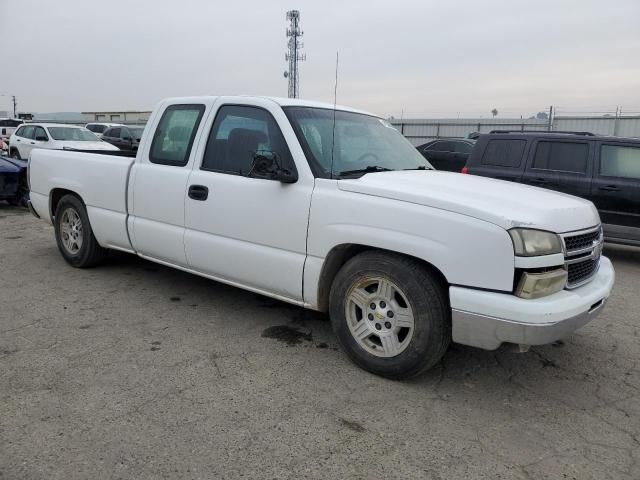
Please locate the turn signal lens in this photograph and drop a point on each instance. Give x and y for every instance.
(536, 285)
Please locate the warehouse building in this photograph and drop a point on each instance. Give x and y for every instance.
(116, 117)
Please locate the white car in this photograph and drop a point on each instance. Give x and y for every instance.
(98, 128)
(7, 127)
(334, 210)
(53, 136)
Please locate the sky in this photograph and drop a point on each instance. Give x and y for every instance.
(411, 59)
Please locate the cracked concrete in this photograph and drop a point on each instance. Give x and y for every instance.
(136, 371)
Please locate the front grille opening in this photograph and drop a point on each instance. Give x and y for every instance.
(584, 240)
(581, 271)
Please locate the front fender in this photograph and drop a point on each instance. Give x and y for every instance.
(468, 251)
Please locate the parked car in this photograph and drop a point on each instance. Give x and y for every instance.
(334, 210)
(7, 127)
(53, 136)
(124, 137)
(98, 128)
(13, 181)
(449, 154)
(605, 170)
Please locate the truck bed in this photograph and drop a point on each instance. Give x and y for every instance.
(100, 179)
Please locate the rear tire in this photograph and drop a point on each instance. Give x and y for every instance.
(407, 332)
(74, 236)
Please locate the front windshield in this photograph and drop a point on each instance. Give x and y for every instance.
(74, 134)
(361, 143)
(136, 132)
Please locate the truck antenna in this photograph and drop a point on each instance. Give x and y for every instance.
(335, 101)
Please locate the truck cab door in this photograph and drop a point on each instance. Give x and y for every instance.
(615, 190)
(241, 229)
(158, 183)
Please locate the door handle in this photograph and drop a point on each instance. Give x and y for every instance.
(609, 188)
(198, 192)
(33, 143)
(540, 180)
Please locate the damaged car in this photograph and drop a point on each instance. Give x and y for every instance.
(13, 181)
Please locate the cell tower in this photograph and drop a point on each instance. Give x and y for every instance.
(294, 55)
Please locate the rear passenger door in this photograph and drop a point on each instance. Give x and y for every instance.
(112, 136)
(563, 165)
(615, 190)
(158, 182)
(26, 141)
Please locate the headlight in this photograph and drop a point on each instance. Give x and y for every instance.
(529, 243)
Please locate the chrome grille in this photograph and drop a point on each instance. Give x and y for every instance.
(584, 240)
(582, 255)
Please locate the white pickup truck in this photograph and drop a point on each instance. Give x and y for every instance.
(333, 210)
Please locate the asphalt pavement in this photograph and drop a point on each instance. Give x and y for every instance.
(137, 371)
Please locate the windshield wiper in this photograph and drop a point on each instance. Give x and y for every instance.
(367, 169)
(421, 167)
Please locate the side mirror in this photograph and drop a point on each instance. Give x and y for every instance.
(265, 165)
(42, 138)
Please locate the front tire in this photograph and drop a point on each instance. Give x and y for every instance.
(15, 154)
(74, 236)
(390, 314)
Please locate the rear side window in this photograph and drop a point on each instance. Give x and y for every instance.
(113, 133)
(463, 147)
(174, 136)
(562, 156)
(238, 134)
(620, 161)
(504, 153)
(442, 147)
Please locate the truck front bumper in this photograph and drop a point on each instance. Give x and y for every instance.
(487, 319)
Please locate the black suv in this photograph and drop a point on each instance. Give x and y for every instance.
(605, 170)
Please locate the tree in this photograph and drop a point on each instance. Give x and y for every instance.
(542, 116)
(494, 112)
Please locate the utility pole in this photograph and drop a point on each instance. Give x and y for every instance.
(294, 54)
(550, 125)
(15, 104)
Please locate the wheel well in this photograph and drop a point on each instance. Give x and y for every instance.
(56, 195)
(341, 254)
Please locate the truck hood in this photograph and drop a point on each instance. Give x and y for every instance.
(502, 203)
